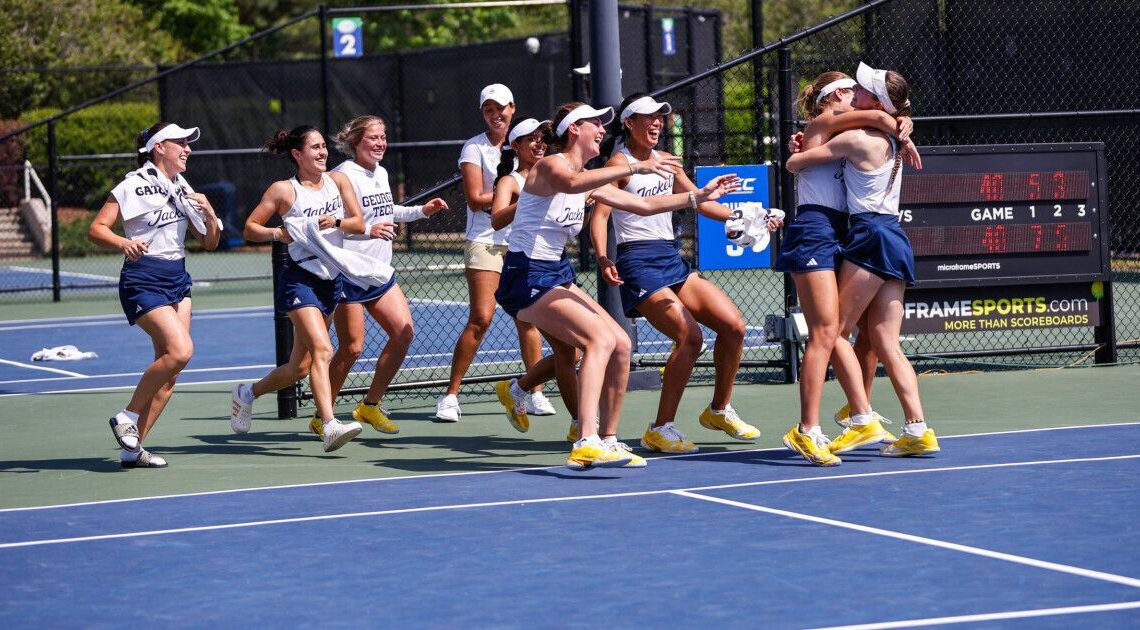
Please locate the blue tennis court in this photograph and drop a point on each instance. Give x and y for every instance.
(230, 345)
(1001, 530)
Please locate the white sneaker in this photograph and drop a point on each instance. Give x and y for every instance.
(537, 404)
(241, 412)
(623, 450)
(336, 433)
(447, 409)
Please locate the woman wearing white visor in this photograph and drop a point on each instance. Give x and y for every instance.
(155, 204)
(878, 263)
(537, 285)
(656, 282)
(484, 251)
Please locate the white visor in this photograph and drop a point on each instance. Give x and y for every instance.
(583, 70)
(525, 128)
(497, 92)
(645, 105)
(875, 82)
(838, 84)
(170, 132)
(583, 112)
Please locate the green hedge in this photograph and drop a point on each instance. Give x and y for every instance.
(100, 129)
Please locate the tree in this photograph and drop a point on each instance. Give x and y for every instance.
(200, 25)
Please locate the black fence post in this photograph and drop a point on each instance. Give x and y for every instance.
(1105, 334)
(787, 199)
(53, 167)
(282, 333)
(323, 16)
(759, 129)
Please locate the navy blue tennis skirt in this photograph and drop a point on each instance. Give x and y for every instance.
(646, 267)
(877, 243)
(525, 280)
(811, 241)
(300, 288)
(148, 283)
(352, 294)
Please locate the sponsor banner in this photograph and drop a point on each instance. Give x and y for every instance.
(1002, 308)
(714, 250)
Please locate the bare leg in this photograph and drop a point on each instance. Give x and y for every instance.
(350, 332)
(884, 319)
(169, 330)
(530, 345)
(665, 311)
(713, 308)
(481, 287)
(392, 313)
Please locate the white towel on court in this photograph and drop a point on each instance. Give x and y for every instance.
(63, 353)
(327, 259)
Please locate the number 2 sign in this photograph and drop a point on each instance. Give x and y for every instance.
(348, 37)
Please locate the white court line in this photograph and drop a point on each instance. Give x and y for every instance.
(119, 316)
(40, 367)
(121, 320)
(1011, 614)
(438, 508)
(923, 540)
(62, 273)
(516, 470)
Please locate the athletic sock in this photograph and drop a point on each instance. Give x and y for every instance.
(245, 393)
(125, 416)
(129, 456)
(915, 428)
(860, 419)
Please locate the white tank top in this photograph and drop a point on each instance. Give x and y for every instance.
(543, 225)
(153, 215)
(822, 185)
(374, 194)
(632, 227)
(314, 203)
(482, 153)
(867, 190)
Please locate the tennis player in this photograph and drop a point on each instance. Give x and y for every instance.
(155, 204)
(537, 285)
(308, 292)
(484, 251)
(878, 263)
(365, 138)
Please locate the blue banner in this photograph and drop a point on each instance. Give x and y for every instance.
(348, 37)
(714, 250)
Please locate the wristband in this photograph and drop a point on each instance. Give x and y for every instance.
(630, 165)
(273, 235)
(692, 200)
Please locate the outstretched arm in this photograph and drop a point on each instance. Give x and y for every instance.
(645, 206)
(838, 147)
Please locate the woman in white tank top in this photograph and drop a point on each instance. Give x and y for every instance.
(550, 212)
(329, 198)
(878, 262)
(153, 203)
(658, 284)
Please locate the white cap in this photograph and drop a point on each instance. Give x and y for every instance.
(497, 92)
(838, 84)
(582, 112)
(170, 132)
(875, 82)
(645, 105)
(525, 128)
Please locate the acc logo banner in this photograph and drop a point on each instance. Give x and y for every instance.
(714, 250)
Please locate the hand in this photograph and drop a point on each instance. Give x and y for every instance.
(434, 206)
(796, 142)
(906, 126)
(326, 221)
(663, 165)
(609, 271)
(283, 235)
(134, 249)
(775, 219)
(386, 231)
(720, 186)
(910, 153)
(203, 204)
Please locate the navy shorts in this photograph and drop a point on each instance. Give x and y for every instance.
(352, 294)
(646, 267)
(811, 242)
(298, 288)
(148, 283)
(877, 243)
(525, 280)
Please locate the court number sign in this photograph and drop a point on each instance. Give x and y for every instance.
(348, 37)
(714, 250)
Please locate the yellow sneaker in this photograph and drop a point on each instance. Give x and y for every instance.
(635, 461)
(513, 400)
(813, 447)
(857, 435)
(667, 438)
(729, 422)
(375, 416)
(908, 445)
(574, 433)
(316, 426)
(590, 453)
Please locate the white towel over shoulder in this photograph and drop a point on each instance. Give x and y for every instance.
(328, 259)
